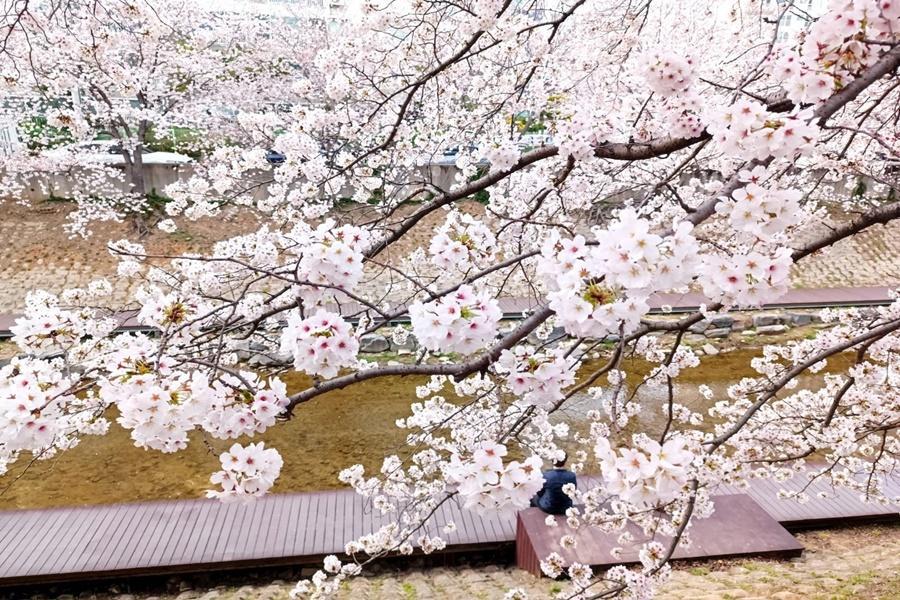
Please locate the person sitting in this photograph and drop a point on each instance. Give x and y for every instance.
(552, 499)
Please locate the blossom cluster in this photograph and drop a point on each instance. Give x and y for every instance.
(647, 475)
(486, 484)
(668, 73)
(537, 378)
(461, 242)
(762, 211)
(849, 37)
(683, 115)
(46, 326)
(502, 156)
(331, 258)
(749, 131)
(161, 405)
(462, 321)
(38, 410)
(160, 412)
(603, 288)
(321, 584)
(170, 311)
(247, 472)
(577, 136)
(322, 344)
(746, 278)
(234, 410)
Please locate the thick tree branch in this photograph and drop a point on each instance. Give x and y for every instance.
(878, 216)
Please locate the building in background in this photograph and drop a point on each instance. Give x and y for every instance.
(9, 137)
(798, 17)
(328, 12)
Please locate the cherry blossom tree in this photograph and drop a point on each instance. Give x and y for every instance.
(168, 75)
(680, 146)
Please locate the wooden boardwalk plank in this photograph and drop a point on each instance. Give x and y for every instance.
(201, 538)
(267, 531)
(157, 537)
(319, 524)
(257, 539)
(738, 527)
(34, 554)
(225, 518)
(288, 525)
(137, 522)
(242, 543)
(160, 528)
(190, 523)
(106, 529)
(14, 531)
(350, 520)
(73, 544)
(174, 530)
(126, 514)
(304, 532)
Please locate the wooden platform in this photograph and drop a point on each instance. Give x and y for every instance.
(110, 541)
(155, 538)
(839, 505)
(739, 527)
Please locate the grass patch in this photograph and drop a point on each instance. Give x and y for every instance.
(181, 235)
(860, 578)
(850, 587)
(409, 592)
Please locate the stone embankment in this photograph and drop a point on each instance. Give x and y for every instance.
(736, 329)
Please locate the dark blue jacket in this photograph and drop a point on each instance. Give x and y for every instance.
(551, 499)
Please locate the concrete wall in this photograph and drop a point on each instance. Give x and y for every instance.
(157, 177)
(79, 181)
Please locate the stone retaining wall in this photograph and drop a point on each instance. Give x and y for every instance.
(743, 326)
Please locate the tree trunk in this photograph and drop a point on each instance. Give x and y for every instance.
(135, 168)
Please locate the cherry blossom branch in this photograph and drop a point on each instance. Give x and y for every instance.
(793, 372)
(881, 215)
(457, 371)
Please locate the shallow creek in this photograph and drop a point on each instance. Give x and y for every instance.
(327, 434)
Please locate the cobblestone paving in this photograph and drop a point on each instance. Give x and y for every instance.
(35, 252)
(871, 258)
(845, 564)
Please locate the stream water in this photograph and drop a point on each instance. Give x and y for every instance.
(327, 434)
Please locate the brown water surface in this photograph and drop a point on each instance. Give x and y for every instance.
(327, 434)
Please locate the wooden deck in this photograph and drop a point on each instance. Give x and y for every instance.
(738, 527)
(177, 536)
(110, 541)
(513, 308)
(838, 504)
